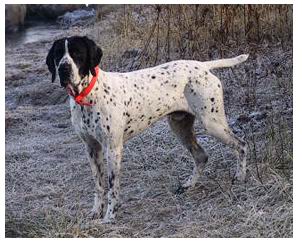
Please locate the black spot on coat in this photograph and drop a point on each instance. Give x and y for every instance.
(111, 179)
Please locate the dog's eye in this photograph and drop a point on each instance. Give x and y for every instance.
(75, 55)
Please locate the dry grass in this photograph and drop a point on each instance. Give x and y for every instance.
(49, 187)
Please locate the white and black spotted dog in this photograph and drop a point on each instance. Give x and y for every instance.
(108, 108)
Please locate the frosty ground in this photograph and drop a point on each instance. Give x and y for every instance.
(48, 182)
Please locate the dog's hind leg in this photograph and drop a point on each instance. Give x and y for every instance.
(182, 125)
(207, 104)
(225, 135)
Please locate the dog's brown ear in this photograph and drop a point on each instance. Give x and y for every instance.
(94, 54)
(51, 63)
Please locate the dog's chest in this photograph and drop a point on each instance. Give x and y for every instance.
(85, 121)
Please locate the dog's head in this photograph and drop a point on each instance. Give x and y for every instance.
(73, 59)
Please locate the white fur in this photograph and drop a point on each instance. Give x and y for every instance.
(137, 99)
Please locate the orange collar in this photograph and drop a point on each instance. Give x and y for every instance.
(79, 98)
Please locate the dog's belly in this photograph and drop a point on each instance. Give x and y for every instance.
(148, 114)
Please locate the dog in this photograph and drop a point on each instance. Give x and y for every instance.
(109, 108)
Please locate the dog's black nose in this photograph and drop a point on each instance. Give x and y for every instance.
(64, 73)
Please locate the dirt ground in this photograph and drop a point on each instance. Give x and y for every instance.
(48, 182)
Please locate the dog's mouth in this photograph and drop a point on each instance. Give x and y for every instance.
(71, 90)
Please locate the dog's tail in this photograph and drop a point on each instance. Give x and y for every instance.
(226, 62)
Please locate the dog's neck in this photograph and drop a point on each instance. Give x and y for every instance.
(84, 83)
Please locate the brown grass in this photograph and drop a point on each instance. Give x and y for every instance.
(49, 187)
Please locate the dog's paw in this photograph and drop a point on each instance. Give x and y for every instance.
(107, 220)
(240, 176)
(109, 217)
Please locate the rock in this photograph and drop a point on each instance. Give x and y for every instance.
(50, 11)
(77, 17)
(14, 17)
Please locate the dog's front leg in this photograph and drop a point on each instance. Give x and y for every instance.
(96, 158)
(114, 156)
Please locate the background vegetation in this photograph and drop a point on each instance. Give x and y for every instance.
(49, 187)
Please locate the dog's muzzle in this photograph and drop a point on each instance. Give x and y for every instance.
(65, 74)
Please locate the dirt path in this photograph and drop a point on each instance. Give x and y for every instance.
(49, 187)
